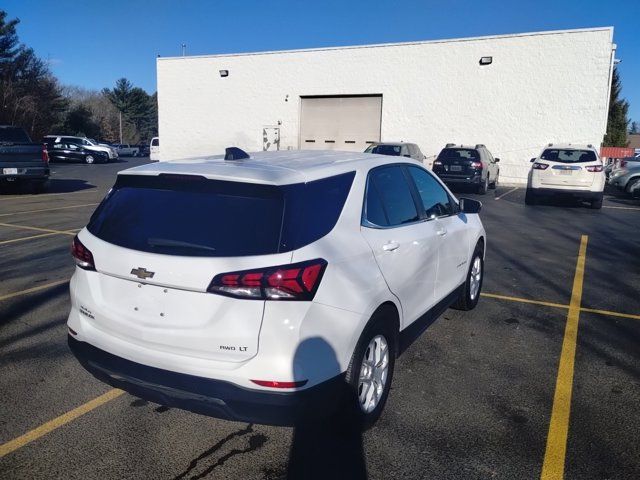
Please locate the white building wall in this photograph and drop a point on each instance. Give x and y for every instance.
(541, 87)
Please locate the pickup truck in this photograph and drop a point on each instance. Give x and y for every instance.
(21, 160)
(126, 150)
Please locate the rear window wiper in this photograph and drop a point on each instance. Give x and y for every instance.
(165, 242)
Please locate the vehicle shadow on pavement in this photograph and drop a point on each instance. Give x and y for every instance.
(327, 445)
(56, 185)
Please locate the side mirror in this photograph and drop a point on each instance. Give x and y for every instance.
(496, 160)
(468, 205)
(532, 160)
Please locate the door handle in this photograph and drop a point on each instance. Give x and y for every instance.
(390, 246)
(442, 232)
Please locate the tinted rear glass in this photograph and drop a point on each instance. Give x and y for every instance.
(194, 216)
(459, 154)
(568, 156)
(393, 150)
(14, 134)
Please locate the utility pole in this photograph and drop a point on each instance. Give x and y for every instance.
(120, 126)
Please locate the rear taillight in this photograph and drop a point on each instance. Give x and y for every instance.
(540, 166)
(479, 165)
(277, 384)
(297, 281)
(45, 154)
(594, 168)
(82, 255)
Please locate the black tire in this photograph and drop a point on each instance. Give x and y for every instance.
(467, 301)
(529, 197)
(493, 185)
(483, 187)
(596, 203)
(381, 324)
(630, 184)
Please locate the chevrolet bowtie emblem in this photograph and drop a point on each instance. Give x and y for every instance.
(142, 273)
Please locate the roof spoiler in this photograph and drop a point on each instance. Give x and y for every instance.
(235, 153)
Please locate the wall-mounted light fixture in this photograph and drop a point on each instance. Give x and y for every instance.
(486, 60)
(224, 73)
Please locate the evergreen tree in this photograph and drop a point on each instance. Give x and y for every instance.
(30, 96)
(617, 122)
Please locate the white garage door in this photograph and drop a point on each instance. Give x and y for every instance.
(340, 123)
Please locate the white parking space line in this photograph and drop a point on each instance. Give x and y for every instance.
(506, 193)
(621, 208)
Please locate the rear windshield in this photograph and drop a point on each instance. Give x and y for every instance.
(459, 154)
(393, 150)
(194, 216)
(155, 142)
(14, 135)
(568, 156)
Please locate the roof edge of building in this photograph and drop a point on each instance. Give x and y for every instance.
(398, 44)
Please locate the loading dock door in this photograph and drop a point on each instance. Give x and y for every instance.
(340, 122)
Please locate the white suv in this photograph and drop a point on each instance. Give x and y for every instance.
(261, 288)
(567, 170)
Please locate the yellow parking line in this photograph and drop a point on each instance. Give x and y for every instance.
(40, 195)
(51, 425)
(610, 313)
(38, 229)
(554, 456)
(48, 209)
(33, 289)
(4, 242)
(524, 300)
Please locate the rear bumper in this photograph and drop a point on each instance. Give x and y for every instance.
(552, 192)
(24, 173)
(457, 179)
(207, 396)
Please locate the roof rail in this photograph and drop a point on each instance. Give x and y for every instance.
(450, 145)
(550, 145)
(235, 153)
(480, 145)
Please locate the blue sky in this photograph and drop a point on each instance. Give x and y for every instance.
(93, 43)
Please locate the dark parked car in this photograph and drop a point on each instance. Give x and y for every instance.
(397, 149)
(70, 150)
(21, 160)
(143, 149)
(467, 165)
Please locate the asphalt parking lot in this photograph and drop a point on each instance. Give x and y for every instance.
(542, 379)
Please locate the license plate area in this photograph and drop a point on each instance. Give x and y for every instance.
(455, 168)
(566, 172)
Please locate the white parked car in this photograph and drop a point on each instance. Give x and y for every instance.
(567, 170)
(154, 149)
(196, 288)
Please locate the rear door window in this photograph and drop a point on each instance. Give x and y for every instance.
(194, 216)
(391, 187)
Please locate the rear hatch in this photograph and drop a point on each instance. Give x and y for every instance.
(457, 162)
(158, 241)
(568, 167)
